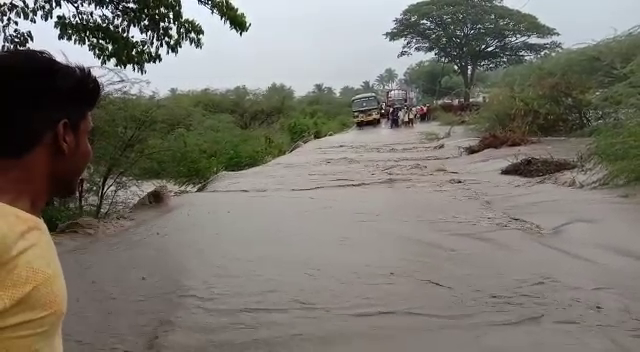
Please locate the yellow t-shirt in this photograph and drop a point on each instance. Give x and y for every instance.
(33, 294)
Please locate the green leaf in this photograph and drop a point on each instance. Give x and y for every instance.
(125, 33)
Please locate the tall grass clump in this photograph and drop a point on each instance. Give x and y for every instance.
(591, 90)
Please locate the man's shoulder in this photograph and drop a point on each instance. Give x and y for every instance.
(19, 233)
(28, 259)
(33, 297)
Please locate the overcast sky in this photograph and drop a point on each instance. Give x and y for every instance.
(336, 42)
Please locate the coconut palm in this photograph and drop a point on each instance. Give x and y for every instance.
(380, 82)
(319, 88)
(390, 77)
(367, 87)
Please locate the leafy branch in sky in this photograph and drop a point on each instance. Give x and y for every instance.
(128, 33)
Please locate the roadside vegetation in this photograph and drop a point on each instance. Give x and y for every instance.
(592, 91)
(186, 137)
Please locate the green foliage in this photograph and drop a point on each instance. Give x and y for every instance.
(367, 87)
(569, 91)
(617, 146)
(434, 79)
(447, 118)
(187, 137)
(348, 92)
(57, 213)
(107, 28)
(471, 35)
(203, 132)
(593, 90)
(387, 79)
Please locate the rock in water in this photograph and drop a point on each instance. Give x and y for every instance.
(83, 226)
(158, 196)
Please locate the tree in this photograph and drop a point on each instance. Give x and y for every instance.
(125, 124)
(427, 77)
(380, 81)
(321, 89)
(348, 92)
(318, 89)
(471, 35)
(367, 87)
(129, 33)
(390, 76)
(279, 93)
(387, 79)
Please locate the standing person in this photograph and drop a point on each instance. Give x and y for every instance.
(395, 117)
(405, 116)
(422, 113)
(44, 148)
(412, 116)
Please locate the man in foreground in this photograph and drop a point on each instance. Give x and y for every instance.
(44, 148)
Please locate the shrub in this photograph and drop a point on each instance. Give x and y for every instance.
(590, 91)
(566, 92)
(187, 137)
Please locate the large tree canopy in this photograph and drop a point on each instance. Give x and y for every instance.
(130, 33)
(471, 35)
(435, 80)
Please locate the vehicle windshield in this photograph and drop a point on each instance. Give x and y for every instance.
(398, 102)
(364, 103)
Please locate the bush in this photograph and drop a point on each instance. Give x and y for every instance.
(57, 213)
(617, 146)
(448, 118)
(566, 92)
(187, 137)
(590, 91)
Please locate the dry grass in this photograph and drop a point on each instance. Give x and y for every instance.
(532, 167)
(497, 140)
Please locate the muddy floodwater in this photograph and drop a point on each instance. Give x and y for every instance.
(371, 240)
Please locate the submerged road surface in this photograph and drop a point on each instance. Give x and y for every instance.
(372, 240)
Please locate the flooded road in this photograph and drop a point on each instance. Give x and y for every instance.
(372, 240)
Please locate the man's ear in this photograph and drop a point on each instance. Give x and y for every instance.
(64, 137)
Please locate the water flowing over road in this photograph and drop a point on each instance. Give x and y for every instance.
(371, 240)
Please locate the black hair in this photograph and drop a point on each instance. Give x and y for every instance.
(36, 93)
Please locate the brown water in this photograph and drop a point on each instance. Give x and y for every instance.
(370, 241)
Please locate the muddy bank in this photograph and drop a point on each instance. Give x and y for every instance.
(368, 241)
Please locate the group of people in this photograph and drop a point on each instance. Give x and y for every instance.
(407, 115)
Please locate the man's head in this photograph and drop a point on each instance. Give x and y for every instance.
(45, 117)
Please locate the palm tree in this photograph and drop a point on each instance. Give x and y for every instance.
(348, 92)
(330, 91)
(390, 77)
(319, 88)
(381, 81)
(367, 87)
